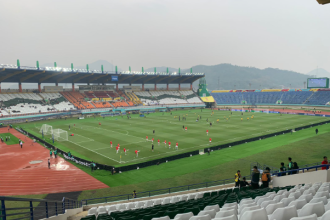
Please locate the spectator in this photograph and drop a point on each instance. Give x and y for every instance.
(282, 169)
(244, 182)
(282, 172)
(92, 166)
(325, 161)
(255, 178)
(134, 194)
(295, 167)
(265, 178)
(290, 165)
(237, 178)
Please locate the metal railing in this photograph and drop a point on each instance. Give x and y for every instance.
(22, 208)
(170, 190)
(157, 192)
(297, 171)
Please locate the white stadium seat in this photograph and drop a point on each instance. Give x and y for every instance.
(184, 216)
(207, 212)
(212, 207)
(259, 214)
(201, 217)
(312, 208)
(310, 217)
(285, 213)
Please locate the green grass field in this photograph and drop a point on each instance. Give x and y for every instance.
(11, 138)
(91, 141)
(304, 147)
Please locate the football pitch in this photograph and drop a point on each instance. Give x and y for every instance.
(91, 141)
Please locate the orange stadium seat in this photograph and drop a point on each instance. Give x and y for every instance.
(78, 100)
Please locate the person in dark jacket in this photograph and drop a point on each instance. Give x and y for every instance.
(265, 178)
(244, 182)
(255, 178)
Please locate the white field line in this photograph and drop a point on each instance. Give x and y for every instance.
(120, 145)
(271, 131)
(192, 123)
(93, 151)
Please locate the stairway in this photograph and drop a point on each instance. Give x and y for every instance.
(308, 98)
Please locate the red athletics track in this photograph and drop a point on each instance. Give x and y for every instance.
(19, 177)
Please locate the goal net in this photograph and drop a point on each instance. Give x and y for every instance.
(46, 129)
(60, 135)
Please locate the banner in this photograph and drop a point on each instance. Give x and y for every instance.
(114, 78)
(96, 87)
(207, 99)
(84, 163)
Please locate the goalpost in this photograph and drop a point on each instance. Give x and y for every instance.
(60, 135)
(46, 129)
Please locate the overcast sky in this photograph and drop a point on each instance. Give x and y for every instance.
(285, 34)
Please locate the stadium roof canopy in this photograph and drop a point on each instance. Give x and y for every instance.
(62, 75)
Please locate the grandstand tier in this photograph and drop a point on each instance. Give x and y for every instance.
(271, 97)
(168, 97)
(33, 103)
(304, 201)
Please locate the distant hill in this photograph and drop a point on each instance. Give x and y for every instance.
(319, 73)
(227, 76)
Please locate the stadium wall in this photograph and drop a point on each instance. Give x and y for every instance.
(66, 215)
(301, 178)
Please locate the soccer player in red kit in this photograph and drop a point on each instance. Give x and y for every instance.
(111, 144)
(117, 148)
(176, 146)
(136, 153)
(99, 123)
(169, 144)
(186, 128)
(210, 140)
(152, 140)
(165, 143)
(207, 132)
(158, 142)
(125, 151)
(146, 137)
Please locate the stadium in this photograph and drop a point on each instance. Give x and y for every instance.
(208, 142)
(156, 129)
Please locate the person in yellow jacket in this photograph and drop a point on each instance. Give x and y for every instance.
(237, 178)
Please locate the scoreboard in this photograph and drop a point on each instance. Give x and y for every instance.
(317, 83)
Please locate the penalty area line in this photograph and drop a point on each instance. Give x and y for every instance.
(94, 152)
